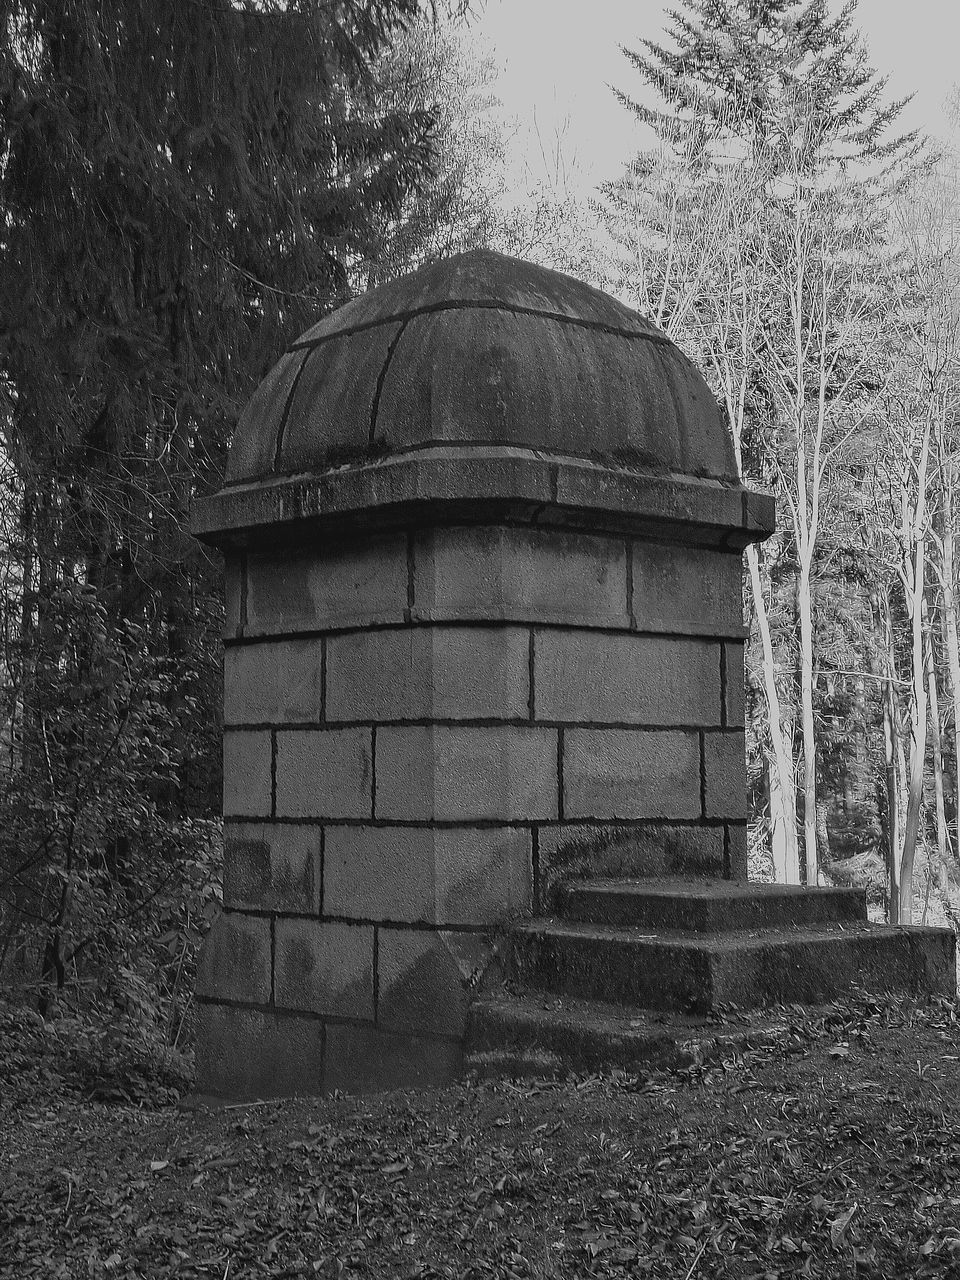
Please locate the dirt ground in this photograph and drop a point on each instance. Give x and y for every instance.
(833, 1152)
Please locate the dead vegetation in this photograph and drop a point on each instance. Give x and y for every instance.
(833, 1153)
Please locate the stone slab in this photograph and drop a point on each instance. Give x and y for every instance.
(571, 850)
(708, 906)
(483, 877)
(696, 974)
(361, 1059)
(429, 673)
(235, 960)
(465, 774)
(734, 684)
(423, 984)
(423, 488)
(484, 375)
(324, 773)
(254, 442)
(684, 589)
(725, 775)
(273, 683)
(247, 774)
(434, 876)
(272, 867)
(484, 277)
(347, 584)
(736, 850)
(243, 1054)
(521, 575)
(332, 407)
(631, 773)
(646, 680)
(324, 967)
(234, 594)
(537, 1034)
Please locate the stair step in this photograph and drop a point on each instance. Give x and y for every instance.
(691, 973)
(707, 906)
(534, 1034)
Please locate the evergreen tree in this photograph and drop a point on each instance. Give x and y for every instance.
(764, 248)
(185, 187)
(434, 67)
(751, 68)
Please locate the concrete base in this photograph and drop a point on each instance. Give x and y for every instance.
(536, 1034)
(582, 986)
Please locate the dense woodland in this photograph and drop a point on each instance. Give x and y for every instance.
(187, 187)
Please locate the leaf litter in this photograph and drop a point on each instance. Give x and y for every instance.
(789, 1159)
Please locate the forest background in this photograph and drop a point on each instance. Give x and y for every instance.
(187, 187)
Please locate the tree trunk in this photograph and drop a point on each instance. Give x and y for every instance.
(936, 738)
(892, 751)
(783, 817)
(808, 737)
(951, 642)
(918, 739)
(913, 573)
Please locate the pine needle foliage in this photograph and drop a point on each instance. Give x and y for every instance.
(185, 185)
(741, 67)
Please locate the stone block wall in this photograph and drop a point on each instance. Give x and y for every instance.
(424, 732)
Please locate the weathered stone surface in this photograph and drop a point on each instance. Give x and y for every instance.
(255, 439)
(725, 770)
(334, 402)
(521, 575)
(616, 385)
(370, 1060)
(695, 974)
(733, 684)
(434, 876)
(235, 959)
(483, 877)
(379, 873)
(488, 375)
(649, 680)
(234, 576)
(324, 773)
(573, 850)
(340, 585)
(324, 967)
(539, 1034)
(466, 774)
(272, 867)
(420, 673)
(484, 484)
(459, 671)
(737, 849)
(708, 905)
(257, 1053)
(486, 278)
(686, 589)
(650, 505)
(247, 784)
(630, 773)
(273, 683)
(423, 980)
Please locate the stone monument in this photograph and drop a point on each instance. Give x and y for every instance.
(482, 531)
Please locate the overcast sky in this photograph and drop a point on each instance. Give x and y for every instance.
(560, 56)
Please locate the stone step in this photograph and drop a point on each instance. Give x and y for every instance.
(690, 973)
(707, 906)
(535, 1034)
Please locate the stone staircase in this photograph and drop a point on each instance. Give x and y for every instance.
(637, 972)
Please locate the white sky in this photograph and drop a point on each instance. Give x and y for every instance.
(559, 56)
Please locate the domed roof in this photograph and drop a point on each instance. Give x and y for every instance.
(483, 350)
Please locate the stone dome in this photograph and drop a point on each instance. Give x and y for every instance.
(482, 350)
